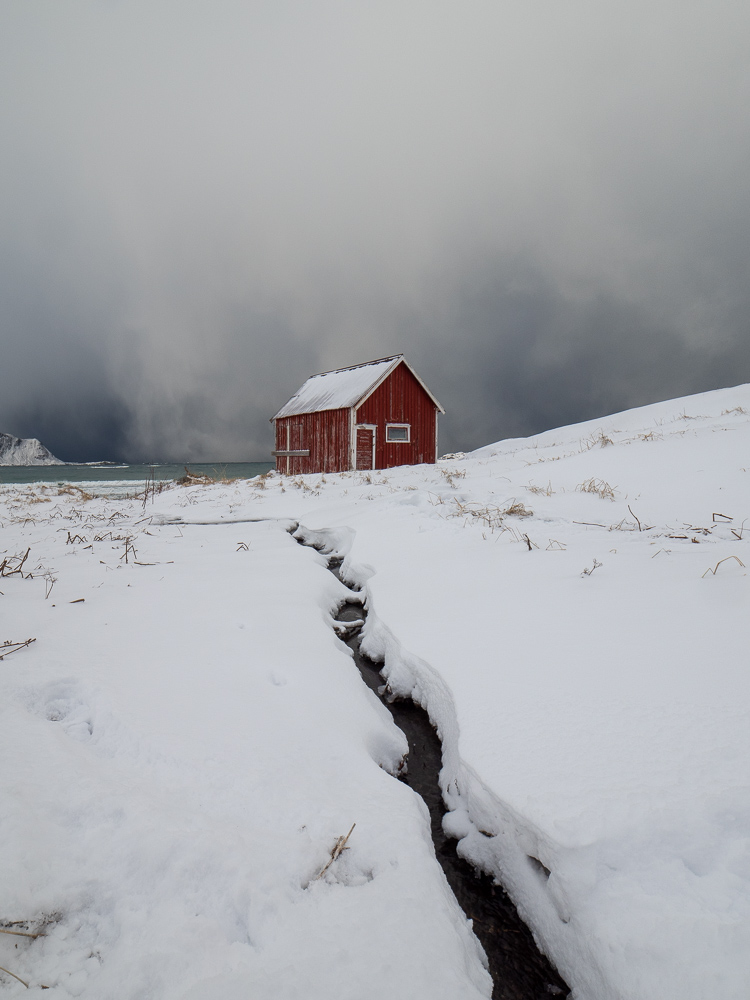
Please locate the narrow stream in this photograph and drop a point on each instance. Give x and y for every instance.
(519, 970)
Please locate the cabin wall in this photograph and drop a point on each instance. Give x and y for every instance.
(324, 434)
(400, 399)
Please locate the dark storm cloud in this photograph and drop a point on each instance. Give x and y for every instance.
(536, 360)
(545, 206)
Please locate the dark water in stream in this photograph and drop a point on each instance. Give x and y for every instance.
(519, 970)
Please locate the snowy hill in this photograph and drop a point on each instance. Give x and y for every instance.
(25, 451)
(181, 749)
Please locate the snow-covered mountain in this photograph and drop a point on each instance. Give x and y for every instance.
(25, 451)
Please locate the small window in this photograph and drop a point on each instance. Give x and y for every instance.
(397, 432)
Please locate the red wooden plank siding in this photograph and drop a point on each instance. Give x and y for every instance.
(280, 444)
(401, 400)
(324, 434)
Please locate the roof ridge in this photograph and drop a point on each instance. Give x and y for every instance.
(363, 364)
(344, 388)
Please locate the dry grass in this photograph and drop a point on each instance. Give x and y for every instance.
(77, 492)
(451, 475)
(491, 516)
(49, 580)
(5, 648)
(300, 484)
(5, 930)
(590, 569)
(9, 973)
(194, 479)
(597, 486)
(623, 525)
(338, 848)
(596, 440)
(27, 929)
(516, 509)
(153, 488)
(12, 565)
(545, 491)
(107, 536)
(725, 559)
(735, 409)
(261, 482)
(129, 550)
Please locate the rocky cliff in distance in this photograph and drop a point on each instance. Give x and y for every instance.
(25, 451)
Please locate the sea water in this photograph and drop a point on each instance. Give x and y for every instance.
(127, 477)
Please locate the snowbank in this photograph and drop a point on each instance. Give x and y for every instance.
(595, 653)
(180, 751)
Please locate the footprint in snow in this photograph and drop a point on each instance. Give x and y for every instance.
(63, 702)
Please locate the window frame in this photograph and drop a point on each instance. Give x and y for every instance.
(405, 440)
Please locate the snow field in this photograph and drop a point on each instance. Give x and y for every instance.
(595, 731)
(594, 724)
(180, 753)
(602, 717)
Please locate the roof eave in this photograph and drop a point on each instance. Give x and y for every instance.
(325, 409)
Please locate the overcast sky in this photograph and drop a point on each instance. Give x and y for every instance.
(544, 204)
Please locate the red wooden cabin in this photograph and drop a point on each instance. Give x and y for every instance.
(371, 416)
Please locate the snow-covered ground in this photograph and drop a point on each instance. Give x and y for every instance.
(181, 750)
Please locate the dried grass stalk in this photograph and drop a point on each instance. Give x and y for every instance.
(725, 559)
(12, 647)
(597, 486)
(23, 981)
(338, 848)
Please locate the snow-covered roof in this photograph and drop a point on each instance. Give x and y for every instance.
(336, 390)
(345, 387)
